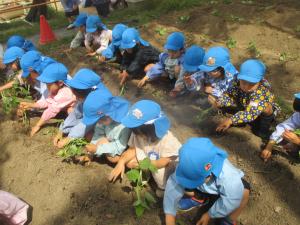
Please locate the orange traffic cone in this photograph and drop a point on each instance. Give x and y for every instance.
(46, 33)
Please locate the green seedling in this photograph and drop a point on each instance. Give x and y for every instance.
(236, 18)
(297, 131)
(297, 28)
(9, 102)
(184, 19)
(283, 57)
(161, 31)
(139, 179)
(253, 49)
(215, 12)
(74, 148)
(122, 90)
(231, 43)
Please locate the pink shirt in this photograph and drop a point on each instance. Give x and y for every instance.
(54, 104)
(13, 211)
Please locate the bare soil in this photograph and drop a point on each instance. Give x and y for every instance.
(62, 193)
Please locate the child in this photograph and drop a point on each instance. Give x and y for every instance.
(204, 171)
(82, 84)
(110, 136)
(19, 41)
(284, 132)
(219, 74)
(138, 54)
(79, 22)
(192, 59)
(113, 50)
(102, 7)
(11, 60)
(97, 37)
(150, 138)
(252, 100)
(13, 211)
(71, 8)
(169, 62)
(60, 97)
(33, 64)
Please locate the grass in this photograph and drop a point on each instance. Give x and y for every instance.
(54, 46)
(20, 27)
(286, 108)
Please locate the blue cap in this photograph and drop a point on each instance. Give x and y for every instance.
(215, 57)
(53, 73)
(101, 103)
(117, 32)
(93, 22)
(198, 158)
(19, 41)
(147, 112)
(12, 54)
(193, 58)
(130, 38)
(175, 41)
(252, 70)
(84, 79)
(34, 60)
(80, 20)
(297, 95)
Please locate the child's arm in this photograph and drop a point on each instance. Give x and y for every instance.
(7, 86)
(161, 163)
(37, 127)
(267, 151)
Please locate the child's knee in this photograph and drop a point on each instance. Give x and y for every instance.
(132, 164)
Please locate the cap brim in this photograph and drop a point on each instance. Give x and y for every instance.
(187, 183)
(8, 61)
(171, 47)
(73, 84)
(127, 46)
(248, 78)
(189, 68)
(162, 125)
(91, 30)
(206, 68)
(130, 121)
(90, 120)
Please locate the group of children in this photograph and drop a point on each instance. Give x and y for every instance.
(194, 174)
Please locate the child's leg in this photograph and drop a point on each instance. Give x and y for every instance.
(111, 159)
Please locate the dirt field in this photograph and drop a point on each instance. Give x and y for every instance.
(63, 194)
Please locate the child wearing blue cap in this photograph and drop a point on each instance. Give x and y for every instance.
(192, 59)
(79, 23)
(113, 50)
(137, 57)
(84, 82)
(284, 133)
(150, 138)
(60, 97)
(33, 64)
(11, 60)
(169, 62)
(251, 99)
(204, 173)
(110, 136)
(97, 36)
(71, 8)
(19, 41)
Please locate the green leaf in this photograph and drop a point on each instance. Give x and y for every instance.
(297, 131)
(152, 168)
(145, 164)
(137, 202)
(139, 210)
(149, 198)
(133, 175)
(145, 205)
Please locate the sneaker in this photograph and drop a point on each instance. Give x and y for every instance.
(187, 204)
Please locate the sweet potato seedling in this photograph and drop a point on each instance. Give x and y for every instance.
(74, 148)
(139, 179)
(253, 50)
(231, 43)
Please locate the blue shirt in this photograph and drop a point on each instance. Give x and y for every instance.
(228, 185)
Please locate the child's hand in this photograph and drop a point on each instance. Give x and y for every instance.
(34, 130)
(91, 148)
(102, 141)
(57, 138)
(224, 125)
(266, 154)
(177, 69)
(291, 137)
(101, 58)
(208, 89)
(63, 142)
(119, 170)
(123, 76)
(142, 82)
(91, 53)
